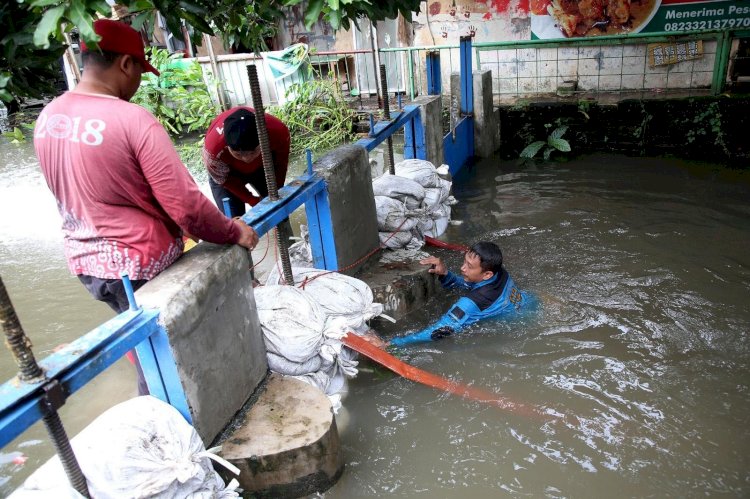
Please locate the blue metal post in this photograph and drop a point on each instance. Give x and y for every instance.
(409, 152)
(227, 208)
(434, 84)
(320, 226)
(467, 90)
(129, 291)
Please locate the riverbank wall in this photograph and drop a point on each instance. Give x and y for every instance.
(697, 128)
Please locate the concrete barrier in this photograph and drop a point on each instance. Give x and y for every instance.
(207, 307)
(486, 118)
(346, 171)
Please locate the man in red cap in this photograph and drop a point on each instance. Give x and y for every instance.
(124, 195)
(231, 154)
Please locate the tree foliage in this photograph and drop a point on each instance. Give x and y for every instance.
(33, 29)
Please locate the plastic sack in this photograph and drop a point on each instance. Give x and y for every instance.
(421, 171)
(392, 215)
(139, 448)
(293, 324)
(396, 240)
(300, 253)
(401, 188)
(338, 295)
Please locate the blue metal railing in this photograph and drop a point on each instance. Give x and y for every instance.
(22, 404)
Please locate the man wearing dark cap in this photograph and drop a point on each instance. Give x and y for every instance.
(231, 153)
(124, 195)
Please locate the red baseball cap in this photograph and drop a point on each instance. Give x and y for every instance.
(120, 38)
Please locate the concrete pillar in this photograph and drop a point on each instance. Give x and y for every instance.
(431, 112)
(287, 444)
(353, 221)
(207, 308)
(486, 120)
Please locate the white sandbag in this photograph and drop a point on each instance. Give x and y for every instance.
(282, 365)
(421, 171)
(400, 188)
(392, 215)
(338, 295)
(293, 324)
(445, 189)
(300, 253)
(395, 240)
(142, 447)
(436, 225)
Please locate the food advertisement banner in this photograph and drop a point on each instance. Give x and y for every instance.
(585, 18)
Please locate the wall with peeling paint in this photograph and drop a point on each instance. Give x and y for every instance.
(444, 22)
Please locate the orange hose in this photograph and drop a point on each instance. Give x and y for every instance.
(412, 373)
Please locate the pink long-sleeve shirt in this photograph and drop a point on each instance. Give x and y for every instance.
(123, 193)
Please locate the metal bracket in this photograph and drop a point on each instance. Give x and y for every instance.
(54, 396)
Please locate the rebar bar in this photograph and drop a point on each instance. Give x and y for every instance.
(60, 440)
(282, 236)
(18, 343)
(30, 372)
(387, 116)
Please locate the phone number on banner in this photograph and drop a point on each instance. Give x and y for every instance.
(737, 22)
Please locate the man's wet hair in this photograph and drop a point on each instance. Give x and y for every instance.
(490, 256)
(102, 59)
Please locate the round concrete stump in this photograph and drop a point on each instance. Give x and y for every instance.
(288, 444)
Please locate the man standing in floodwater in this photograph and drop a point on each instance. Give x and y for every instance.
(492, 293)
(123, 193)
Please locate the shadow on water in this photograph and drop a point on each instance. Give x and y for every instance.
(643, 272)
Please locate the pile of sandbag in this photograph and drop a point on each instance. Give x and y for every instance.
(303, 326)
(413, 203)
(142, 447)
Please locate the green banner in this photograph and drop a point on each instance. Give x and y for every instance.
(695, 16)
(551, 20)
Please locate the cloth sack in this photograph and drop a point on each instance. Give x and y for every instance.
(140, 448)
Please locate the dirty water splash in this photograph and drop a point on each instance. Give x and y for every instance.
(643, 272)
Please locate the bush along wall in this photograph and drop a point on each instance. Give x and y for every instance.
(700, 128)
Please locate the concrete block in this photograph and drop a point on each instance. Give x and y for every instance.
(346, 171)
(401, 287)
(287, 444)
(431, 111)
(486, 128)
(207, 307)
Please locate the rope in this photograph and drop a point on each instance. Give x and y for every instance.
(268, 243)
(352, 265)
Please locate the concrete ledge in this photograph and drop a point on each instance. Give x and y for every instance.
(401, 286)
(207, 307)
(288, 443)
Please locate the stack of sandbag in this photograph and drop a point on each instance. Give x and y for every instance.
(303, 326)
(413, 203)
(139, 448)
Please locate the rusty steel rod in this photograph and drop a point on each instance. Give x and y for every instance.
(387, 116)
(282, 230)
(30, 372)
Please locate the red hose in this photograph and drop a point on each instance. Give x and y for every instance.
(431, 241)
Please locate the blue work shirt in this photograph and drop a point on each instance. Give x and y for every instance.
(490, 298)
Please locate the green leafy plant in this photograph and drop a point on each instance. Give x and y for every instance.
(16, 136)
(179, 98)
(554, 142)
(317, 115)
